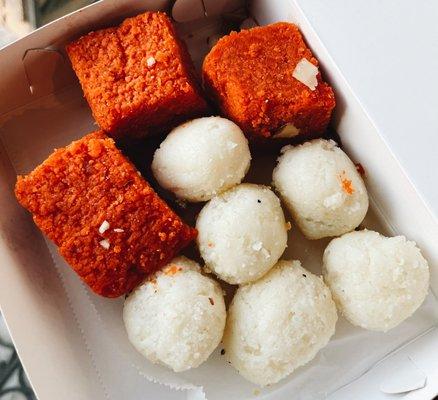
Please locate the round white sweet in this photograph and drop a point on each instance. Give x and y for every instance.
(202, 158)
(376, 281)
(242, 233)
(177, 317)
(321, 188)
(278, 323)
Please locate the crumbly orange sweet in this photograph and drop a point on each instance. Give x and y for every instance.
(250, 75)
(108, 223)
(137, 76)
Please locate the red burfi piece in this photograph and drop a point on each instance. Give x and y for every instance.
(250, 75)
(108, 223)
(137, 76)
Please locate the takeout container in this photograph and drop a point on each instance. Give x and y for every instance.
(72, 343)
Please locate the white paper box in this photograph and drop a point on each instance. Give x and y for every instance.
(72, 343)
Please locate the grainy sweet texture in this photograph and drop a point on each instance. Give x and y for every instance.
(376, 281)
(250, 75)
(321, 187)
(202, 158)
(137, 76)
(242, 233)
(278, 323)
(108, 223)
(177, 317)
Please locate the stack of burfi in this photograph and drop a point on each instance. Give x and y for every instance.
(108, 223)
(137, 77)
(266, 80)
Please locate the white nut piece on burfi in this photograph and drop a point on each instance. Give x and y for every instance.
(242, 233)
(202, 158)
(321, 188)
(177, 317)
(376, 281)
(306, 73)
(278, 323)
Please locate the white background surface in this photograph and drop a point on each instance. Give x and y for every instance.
(388, 52)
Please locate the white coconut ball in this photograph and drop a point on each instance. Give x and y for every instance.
(202, 158)
(376, 281)
(177, 317)
(278, 323)
(321, 188)
(242, 233)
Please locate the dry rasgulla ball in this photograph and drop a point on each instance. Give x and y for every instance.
(202, 158)
(242, 233)
(376, 281)
(321, 188)
(278, 323)
(177, 317)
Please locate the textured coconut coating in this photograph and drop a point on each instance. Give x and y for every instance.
(250, 75)
(242, 233)
(202, 158)
(278, 323)
(136, 76)
(376, 281)
(321, 187)
(177, 317)
(108, 223)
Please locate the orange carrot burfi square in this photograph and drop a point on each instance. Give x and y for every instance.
(267, 81)
(137, 76)
(109, 224)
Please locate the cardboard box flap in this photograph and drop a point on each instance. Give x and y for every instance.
(20, 86)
